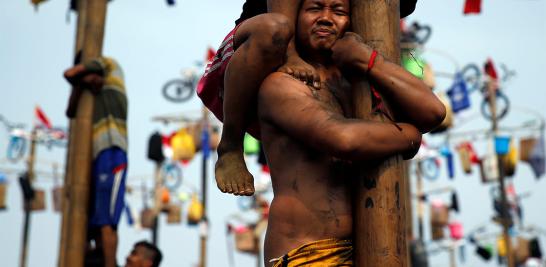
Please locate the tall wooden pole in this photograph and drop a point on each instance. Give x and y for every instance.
(27, 203)
(379, 206)
(204, 222)
(81, 158)
(80, 27)
(504, 203)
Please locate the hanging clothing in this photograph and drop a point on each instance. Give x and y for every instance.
(458, 94)
(155, 150)
(537, 159)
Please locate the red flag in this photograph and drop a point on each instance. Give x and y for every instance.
(489, 69)
(42, 118)
(472, 7)
(210, 54)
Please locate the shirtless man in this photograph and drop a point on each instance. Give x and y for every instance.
(261, 43)
(310, 140)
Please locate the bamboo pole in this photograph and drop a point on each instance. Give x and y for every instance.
(504, 203)
(204, 222)
(27, 203)
(80, 27)
(81, 158)
(379, 207)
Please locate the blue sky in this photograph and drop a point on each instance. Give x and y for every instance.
(154, 43)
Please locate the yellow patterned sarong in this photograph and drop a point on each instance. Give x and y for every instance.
(327, 252)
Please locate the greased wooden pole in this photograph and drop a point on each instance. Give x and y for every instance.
(379, 207)
(82, 128)
(66, 199)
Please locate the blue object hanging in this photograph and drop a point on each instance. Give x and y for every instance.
(502, 144)
(449, 160)
(205, 141)
(458, 94)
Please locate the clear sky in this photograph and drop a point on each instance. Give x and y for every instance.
(154, 42)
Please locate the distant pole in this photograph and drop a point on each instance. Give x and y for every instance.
(81, 156)
(420, 206)
(504, 203)
(157, 203)
(80, 27)
(452, 259)
(204, 222)
(379, 204)
(27, 203)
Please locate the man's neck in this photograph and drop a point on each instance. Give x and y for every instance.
(318, 59)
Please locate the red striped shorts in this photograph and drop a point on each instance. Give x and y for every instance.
(211, 86)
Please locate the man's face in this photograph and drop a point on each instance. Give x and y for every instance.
(321, 23)
(139, 257)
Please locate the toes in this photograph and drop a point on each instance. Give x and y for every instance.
(249, 188)
(240, 188)
(229, 188)
(222, 187)
(220, 184)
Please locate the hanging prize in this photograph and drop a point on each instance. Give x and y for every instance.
(431, 169)
(458, 94)
(3, 191)
(183, 146)
(172, 175)
(195, 211)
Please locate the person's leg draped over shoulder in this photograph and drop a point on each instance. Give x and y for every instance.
(252, 51)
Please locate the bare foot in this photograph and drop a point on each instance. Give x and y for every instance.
(232, 176)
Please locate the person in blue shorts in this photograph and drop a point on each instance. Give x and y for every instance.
(104, 78)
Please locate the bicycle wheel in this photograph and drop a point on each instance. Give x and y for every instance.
(178, 90)
(472, 76)
(172, 176)
(503, 106)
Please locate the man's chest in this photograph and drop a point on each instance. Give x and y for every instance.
(335, 94)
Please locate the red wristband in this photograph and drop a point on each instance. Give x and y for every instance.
(371, 62)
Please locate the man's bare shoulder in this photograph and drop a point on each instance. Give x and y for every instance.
(279, 84)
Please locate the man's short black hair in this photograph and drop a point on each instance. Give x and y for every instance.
(157, 256)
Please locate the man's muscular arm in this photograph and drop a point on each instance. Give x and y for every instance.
(290, 105)
(294, 65)
(408, 97)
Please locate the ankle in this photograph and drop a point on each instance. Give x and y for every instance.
(226, 147)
